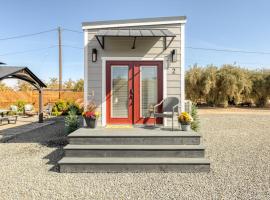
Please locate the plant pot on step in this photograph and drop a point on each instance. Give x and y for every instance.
(90, 122)
(185, 127)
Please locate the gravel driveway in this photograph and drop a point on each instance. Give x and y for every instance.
(238, 145)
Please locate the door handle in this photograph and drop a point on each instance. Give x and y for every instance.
(131, 93)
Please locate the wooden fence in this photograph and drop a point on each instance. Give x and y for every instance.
(8, 98)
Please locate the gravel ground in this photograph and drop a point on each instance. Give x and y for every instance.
(238, 146)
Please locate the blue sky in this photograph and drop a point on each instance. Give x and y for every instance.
(230, 24)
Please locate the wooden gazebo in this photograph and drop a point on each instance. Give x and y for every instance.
(23, 73)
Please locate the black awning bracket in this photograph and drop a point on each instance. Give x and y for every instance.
(165, 45)
(101, 43)
(134, 43)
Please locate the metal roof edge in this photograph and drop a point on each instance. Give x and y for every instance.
(20, 68)
(134, 22)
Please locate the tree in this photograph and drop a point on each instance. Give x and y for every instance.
(200, 82)
(4, 87)
(79, 85)
(53, 83)
(69, 84)
(193, 83)
(232, 82)
(209, 84)
(24, 86)
(218, 85)
(260, 88)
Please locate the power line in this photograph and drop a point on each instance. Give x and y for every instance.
(72, 46)
(192, 61)
(235, 62)
(27, 51)
(39, 49)
(229, 50)
(27, 35)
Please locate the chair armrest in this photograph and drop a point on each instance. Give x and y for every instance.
(155, 106)
(176, 106)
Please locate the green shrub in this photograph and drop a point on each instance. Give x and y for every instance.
(195, 125)
(20, 104)
(11, 113)
(59, 106)
(73, 106)
(72, 121)
(56, 113)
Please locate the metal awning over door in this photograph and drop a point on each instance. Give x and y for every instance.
(135, 33)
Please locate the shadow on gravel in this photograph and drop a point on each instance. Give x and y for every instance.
(42, 135)
(54, 157)
(52, 136)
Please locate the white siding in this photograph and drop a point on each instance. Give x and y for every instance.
(145, 47)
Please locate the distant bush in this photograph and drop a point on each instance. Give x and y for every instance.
(20, 104)
(64, 107)
(59, 107)
(72, 121)
(73, 106)
(227, 85)
(195, 125)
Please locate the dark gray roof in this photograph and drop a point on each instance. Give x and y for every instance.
(135, 33)
(127, 21)
(22, 73)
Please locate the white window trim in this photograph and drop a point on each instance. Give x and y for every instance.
(182, 63)
(105, 59)
(85, 69)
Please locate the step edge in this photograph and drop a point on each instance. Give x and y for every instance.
(133, 147)
(131, 136)
(126, 161)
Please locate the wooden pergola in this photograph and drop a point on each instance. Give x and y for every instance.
(23, 73)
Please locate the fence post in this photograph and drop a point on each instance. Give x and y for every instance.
(40, 113)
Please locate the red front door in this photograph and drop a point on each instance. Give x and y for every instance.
(132, 89)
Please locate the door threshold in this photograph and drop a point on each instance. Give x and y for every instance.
(119, 126)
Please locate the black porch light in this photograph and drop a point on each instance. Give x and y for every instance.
(173, 55)
(94, 55)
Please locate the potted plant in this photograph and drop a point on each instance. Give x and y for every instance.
(90, 115)
(185, 120)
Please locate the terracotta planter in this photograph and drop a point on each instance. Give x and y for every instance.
(90, 122)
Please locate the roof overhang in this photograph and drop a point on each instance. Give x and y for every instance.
(22, 73)
(135, 33)
(133, 22)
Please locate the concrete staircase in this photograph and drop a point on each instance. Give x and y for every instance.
(133, 150)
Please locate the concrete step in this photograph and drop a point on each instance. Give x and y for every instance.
(146, 164)
(184, 151)
(133, 137)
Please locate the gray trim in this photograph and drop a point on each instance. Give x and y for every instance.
(127, 21)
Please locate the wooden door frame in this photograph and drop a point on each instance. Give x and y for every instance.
(134, 103)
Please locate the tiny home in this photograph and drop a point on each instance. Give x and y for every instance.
(131, 65)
